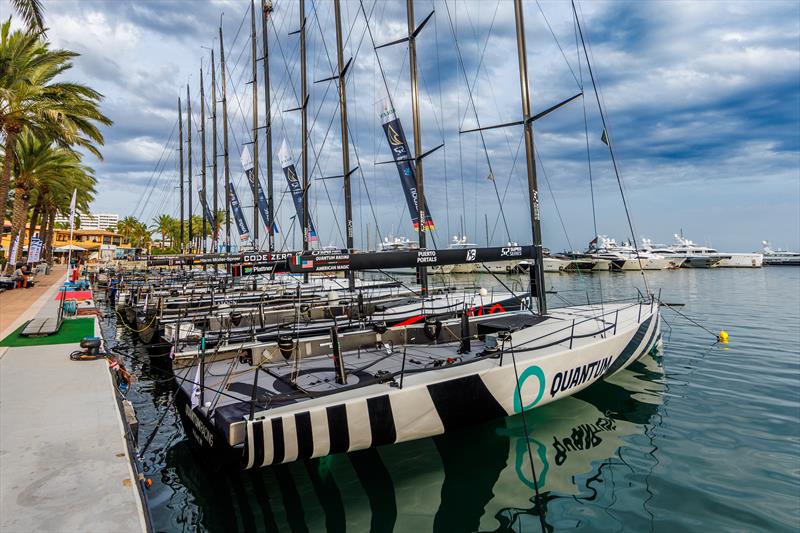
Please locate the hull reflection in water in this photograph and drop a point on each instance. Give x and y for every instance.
(478, 478)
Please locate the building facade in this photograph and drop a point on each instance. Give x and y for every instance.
(93, 220)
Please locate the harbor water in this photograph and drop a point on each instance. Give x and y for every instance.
(702, 437)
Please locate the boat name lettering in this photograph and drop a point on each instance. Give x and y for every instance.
(566, 380)
(582, 437)
(511, 251)
(198, 424)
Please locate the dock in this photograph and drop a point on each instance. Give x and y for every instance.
(65, 463)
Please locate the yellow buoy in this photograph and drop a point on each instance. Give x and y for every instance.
(723, 337)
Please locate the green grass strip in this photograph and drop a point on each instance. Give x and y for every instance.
(71, 331)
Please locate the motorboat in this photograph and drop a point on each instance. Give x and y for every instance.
(779, 257)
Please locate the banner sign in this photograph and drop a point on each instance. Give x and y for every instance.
(327, 261)
(35, 250)
(247, 164)
(238, 216)
(402, 158)
(260, 258)
(296, 189)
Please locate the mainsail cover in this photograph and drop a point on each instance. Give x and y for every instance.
(247, 164)
(296, 189)
(238, 216)
(204, 203)
(402, 158)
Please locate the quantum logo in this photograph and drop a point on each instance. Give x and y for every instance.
(531, 371)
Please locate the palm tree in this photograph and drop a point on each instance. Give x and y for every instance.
(41, 165)
(67, 113)
(165, 225)
(31, 12)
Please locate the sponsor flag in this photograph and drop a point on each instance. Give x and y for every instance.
(604, 137)
(238, 216)
(296, 189)
(247, 164)
(35, 250)
(402, 158)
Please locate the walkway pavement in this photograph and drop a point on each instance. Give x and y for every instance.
(64, 463)
(17, 304)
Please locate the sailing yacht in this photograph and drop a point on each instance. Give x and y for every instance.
(343, 391)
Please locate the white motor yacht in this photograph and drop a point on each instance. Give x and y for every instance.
(779, 257)
(697, 256)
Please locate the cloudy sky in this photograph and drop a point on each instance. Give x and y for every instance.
(702, 101)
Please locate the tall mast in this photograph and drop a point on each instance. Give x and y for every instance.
(203, 198)
(537, 272)
(214, 155)
(189, 168)
(180, 164)
(225, 146)
(266, 9)
(348, 208)
(304, 120)
(422, 272)
(253, 53)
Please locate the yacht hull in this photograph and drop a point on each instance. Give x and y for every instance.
(741, 260)
(432, 402)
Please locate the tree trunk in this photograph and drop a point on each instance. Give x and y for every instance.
(19, 214)
(5, 178)
(37, 210)
(18, 217)
(48, 240)
(43, 233)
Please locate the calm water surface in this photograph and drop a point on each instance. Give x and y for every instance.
(700, 438)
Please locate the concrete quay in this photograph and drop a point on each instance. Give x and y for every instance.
(65, 463)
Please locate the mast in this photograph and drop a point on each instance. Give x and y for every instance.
(266, 9)
(189, 168)
(214, 155)
(255, 123)
(348, 207)
(203, 198)
(422, 272)
(537, 272)
(304, 120)
(225, 146)
(180, 164)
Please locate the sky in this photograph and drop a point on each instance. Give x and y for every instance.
(701, 101)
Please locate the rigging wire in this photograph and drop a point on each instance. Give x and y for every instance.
(610, 147)
(475, 110)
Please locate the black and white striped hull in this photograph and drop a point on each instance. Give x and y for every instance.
(435, 402)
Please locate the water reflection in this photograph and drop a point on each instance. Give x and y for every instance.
(475, 479)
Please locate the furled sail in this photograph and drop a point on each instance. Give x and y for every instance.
(402, 158)
(247, 164)
(238, 216)
(296, 189)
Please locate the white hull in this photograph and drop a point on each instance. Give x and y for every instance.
(554, 265)
(541, 371)
(742, 260)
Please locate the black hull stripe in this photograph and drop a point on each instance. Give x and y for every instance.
(451, 397)
(305, 440)
(258, 442)
(381, 420)
(631, 349)
(338, 429)
(277, 441)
